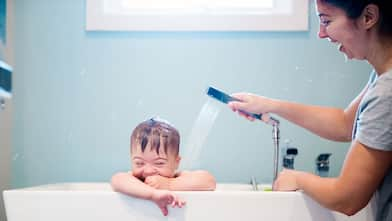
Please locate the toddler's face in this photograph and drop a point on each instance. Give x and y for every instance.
(149, 162)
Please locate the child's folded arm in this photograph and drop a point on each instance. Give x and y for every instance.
(128, 184)
(125, 182)
(193, 180)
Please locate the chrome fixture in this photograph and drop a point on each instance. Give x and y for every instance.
(275, 138)
(322, 164)
(2, 103)
(253, 182)
(288, 158)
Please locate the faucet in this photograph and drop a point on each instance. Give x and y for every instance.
(322, 164)
(253, 182)
(275, 138)
(288, 158)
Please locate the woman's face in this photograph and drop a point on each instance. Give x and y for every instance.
(341, 30)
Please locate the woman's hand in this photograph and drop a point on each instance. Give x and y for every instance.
(251, 103)
(287, 181)
(163, 198)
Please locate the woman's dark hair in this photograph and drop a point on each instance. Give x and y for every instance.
(354, 9)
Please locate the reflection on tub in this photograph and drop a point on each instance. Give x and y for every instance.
(230, 202)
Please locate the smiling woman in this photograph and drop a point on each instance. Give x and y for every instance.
(363, 30)
(197, 15)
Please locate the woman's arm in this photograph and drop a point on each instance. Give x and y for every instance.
(362, 173)
(330, 123)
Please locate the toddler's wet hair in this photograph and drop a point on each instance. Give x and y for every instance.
(158, 133)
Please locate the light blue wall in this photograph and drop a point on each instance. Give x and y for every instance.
(78, 94)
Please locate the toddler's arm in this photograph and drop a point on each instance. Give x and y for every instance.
(130, 185)
(186, 180)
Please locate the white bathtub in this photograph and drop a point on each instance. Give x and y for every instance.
(97, 202)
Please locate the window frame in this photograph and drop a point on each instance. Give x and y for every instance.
(293, 18)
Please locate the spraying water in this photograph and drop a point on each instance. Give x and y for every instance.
(198, 135)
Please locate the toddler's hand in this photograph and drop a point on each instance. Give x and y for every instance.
(163, 198)
(158, 182)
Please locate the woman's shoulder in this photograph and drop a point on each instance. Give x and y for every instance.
(382, 87)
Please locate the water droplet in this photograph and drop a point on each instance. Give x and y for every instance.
(15, 157)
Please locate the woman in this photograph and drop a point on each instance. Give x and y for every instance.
(363, 30)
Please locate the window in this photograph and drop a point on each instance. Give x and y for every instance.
(197, 15)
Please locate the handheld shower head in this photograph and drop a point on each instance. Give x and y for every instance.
(225, 98)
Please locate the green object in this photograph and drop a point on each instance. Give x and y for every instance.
(267, 189)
